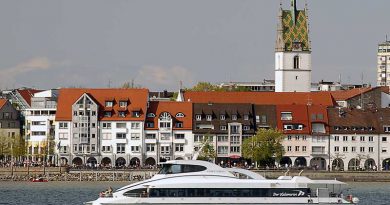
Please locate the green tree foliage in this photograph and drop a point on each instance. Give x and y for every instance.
(207, 153)
(11, 146)
(264, 147)
(207, 86)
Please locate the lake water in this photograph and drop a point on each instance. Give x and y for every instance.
(58, 193)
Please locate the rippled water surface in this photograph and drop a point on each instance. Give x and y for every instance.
(78, 192)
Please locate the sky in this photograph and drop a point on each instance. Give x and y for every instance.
(158, 43)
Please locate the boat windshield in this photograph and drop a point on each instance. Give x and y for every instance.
(180, 168)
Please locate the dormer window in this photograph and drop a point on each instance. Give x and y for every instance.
(109, 103)
(198, 117)
(336, 128)
(122, 114)
(179, 124)
(151, 115)
(234, 117)
(222, 117)
(286, 116)
(179, 115)
(136, 113)
(246, 117)
(149, 124)
(107, 113)
(208, 117)
(122, 103)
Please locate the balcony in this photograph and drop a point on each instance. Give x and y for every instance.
(151, 141)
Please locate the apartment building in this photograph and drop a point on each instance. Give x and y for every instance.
(168, 132)
(9, 121)
(101, 126)
(39, 125)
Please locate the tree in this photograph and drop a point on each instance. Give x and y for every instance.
(5, 148)
(265, 147)
(205, 86)
(207, 152)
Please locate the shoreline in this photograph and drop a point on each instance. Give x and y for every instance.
(62, 174)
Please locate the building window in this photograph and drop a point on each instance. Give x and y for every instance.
(150, 147)
(264, 119)
(304, 137)
(179, 147)
(222, 117)
(135, 125)
(136, 113)
(304, 148)
(122, 104)
(198, 117)
(122, 114)
(151, 115)
(222, 138)
(246, 117)
(222, 149)
(63, 125)
(345, 138)
(109, 103)
(286, 116)
(235, 149)
(289, 138)
(208, 117)
(336, 149)
(384, 139)
(120, 125)
(165, 136)
(297, 138)
(235, 140)
(106, 136)
(106, 149)
(362, 149)
(106, 125)
(107, 113)
(336, 138)
(120, 148)
(149, 124)
(223, 127)
(353, 149)
(165, 125)
(289, 148)
(134, 148)
(234, 129)
(353, 138)
(234, 117)
(386, 128)
(246, 127)
(179, 125)
(371, 149)
(296, 62)
(121, 135)
(135, 136)
(165, 149)
(362, 138)
(150, 136)
(345, 149)
(179, 136)
(370, 138)
(179, 115)
(63, 136)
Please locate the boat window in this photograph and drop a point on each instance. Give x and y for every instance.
(180, 168)
(229, 192)
(135, 193)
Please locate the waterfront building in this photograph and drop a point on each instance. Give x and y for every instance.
(225, 126)
(101, 126)
(383, 118)
(293, 51)
(9, 126)
(39, 125)
(354, 139)
(383, 68)
(168, 132)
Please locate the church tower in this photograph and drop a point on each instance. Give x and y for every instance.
(293, 51)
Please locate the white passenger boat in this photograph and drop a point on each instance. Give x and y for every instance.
(199, 182)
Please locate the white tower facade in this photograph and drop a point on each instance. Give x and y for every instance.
(383, 69)
(292, 51)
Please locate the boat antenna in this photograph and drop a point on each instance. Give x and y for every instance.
(286, 173)
(300, 173)
(197, 153)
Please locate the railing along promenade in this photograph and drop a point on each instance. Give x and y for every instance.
(138, 174)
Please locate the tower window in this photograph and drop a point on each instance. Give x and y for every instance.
(296, 77)
(296, 62)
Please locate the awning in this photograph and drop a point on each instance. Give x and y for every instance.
(234, 157)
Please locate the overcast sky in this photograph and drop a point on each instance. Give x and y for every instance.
(96, 43)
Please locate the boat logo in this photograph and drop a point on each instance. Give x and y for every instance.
(294, 193)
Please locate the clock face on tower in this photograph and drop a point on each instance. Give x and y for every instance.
(297, 46)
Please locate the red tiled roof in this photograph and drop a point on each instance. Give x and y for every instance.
(299, 116)
(68, 96)
(158, 107)
(2, 102)
(318, 110)
(342, 95)
(261, 98)
(385, 89)
(27, 94)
